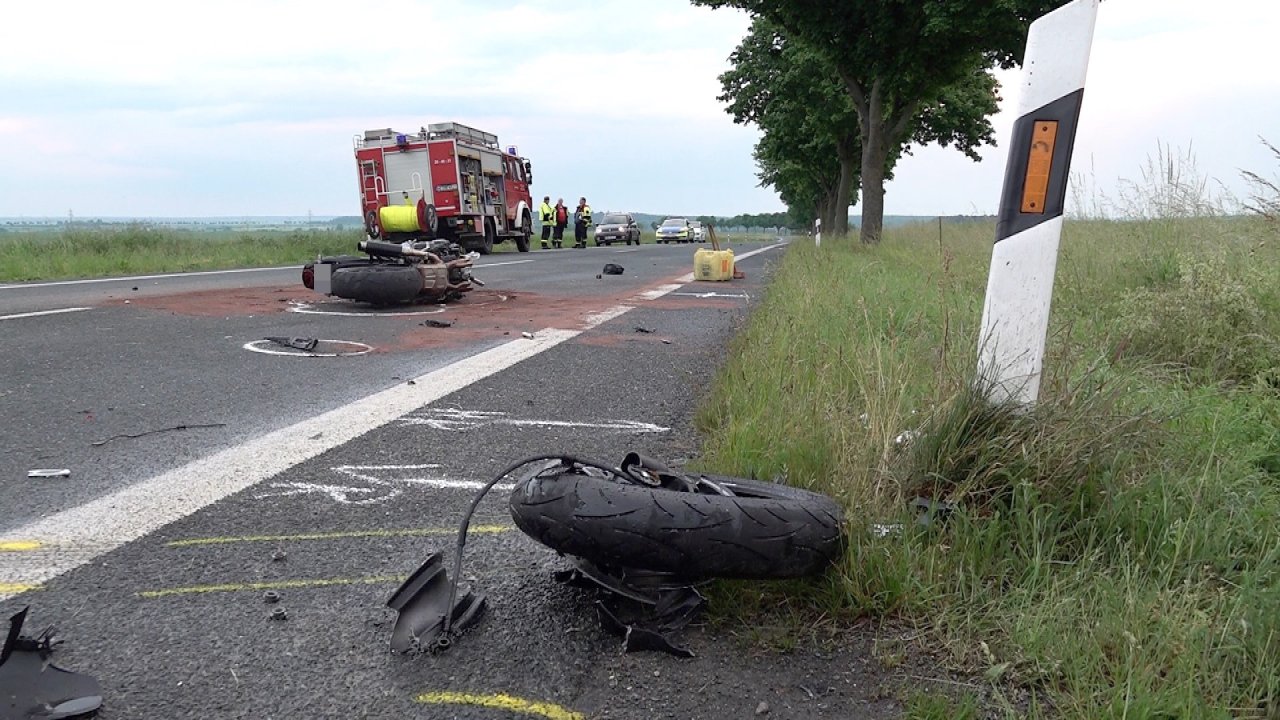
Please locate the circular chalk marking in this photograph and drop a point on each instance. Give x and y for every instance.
(307, 308)
(325, 348)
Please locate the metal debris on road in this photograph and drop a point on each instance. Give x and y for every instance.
(437, 323)
(612, 269)
(99, 443)
(271, 597)
(279, 614)
(643, 329)
(279, 556)
(298, 343)
(526, 335)
(48, 473)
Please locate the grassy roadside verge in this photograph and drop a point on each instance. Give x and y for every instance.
(1114, 554)
(133, 250)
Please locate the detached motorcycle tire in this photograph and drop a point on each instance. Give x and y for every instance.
(384, 284)
(766, 531)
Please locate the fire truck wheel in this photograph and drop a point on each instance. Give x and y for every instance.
(526, 232)
(377, 284)
(489, 234)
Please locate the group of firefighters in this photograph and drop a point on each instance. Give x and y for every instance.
(556, 219)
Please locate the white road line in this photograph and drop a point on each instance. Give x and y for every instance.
(509, 262)
(627, 251)
(43, 312)
(58, 283)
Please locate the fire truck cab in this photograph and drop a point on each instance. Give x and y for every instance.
(445, 181)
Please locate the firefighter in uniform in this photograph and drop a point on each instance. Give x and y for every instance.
(582, 222)
(548, 219)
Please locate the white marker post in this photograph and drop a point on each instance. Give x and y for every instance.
(817, 232)
(1015, 317)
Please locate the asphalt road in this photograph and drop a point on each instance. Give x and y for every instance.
(327, 479)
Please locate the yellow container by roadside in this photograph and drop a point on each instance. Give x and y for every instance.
(713, 265)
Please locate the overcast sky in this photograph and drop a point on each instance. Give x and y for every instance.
(133, 108)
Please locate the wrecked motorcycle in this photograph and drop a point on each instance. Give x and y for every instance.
(641, 534)
(395, 273)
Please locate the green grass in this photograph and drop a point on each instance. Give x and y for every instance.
(1116, 552)
(131, 250)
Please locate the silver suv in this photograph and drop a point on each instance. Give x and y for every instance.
(617, 227)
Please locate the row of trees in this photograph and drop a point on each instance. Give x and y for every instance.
(841, 89)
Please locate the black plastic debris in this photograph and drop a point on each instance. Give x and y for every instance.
(646, 610)
(297, 343)
(611, 269)
(643, 329)
(437, 323)
(429, 610)
(31, 686)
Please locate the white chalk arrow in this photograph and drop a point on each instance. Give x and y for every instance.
(456, 420)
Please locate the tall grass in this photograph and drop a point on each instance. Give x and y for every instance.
(1115, 553)
(135, 249)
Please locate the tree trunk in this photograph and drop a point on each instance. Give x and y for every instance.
(844, 190)
(875, 152)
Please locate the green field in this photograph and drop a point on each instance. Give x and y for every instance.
(137, 249)
(1114, 554)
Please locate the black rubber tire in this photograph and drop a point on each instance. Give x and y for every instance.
(526, 232)
(490, 233)
(769, 531)
(381, 284)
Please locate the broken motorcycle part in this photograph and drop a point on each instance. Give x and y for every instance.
(645, 609)
(646, 517)
(429, 610)
(298, 343)
(48, 473)
(612, 269)
(31, 686)
(639, 531)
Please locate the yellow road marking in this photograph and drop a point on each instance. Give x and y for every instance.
(501, 701)
(409, 532)
(276, 585)
(19, 545)
(15, 588)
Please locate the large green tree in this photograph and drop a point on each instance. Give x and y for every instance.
(916, 70)
(808, 150)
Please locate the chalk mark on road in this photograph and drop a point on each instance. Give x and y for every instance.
(458, 420)
(374, 484)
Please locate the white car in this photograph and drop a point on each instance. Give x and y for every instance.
(699, 232)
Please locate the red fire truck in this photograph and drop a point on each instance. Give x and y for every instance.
(445, 181)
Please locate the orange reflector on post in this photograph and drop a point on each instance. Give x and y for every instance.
(1039, 162)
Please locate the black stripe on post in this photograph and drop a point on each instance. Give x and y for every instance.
(1066, 112)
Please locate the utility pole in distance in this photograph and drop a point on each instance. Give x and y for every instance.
(1015, 315)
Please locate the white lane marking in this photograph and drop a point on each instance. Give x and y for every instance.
(742, 296)
(307, 308)
(661, 290)
(456, 419)
(39, 313)
(508, 262)
(100, 525)
(627, 251)
(597, 319)
(130, 278)
(263, 346)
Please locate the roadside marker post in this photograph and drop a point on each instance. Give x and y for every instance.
(817, 232)
(1015, 314)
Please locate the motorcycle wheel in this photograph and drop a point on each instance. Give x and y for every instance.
(383, 284)
(766, 531)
